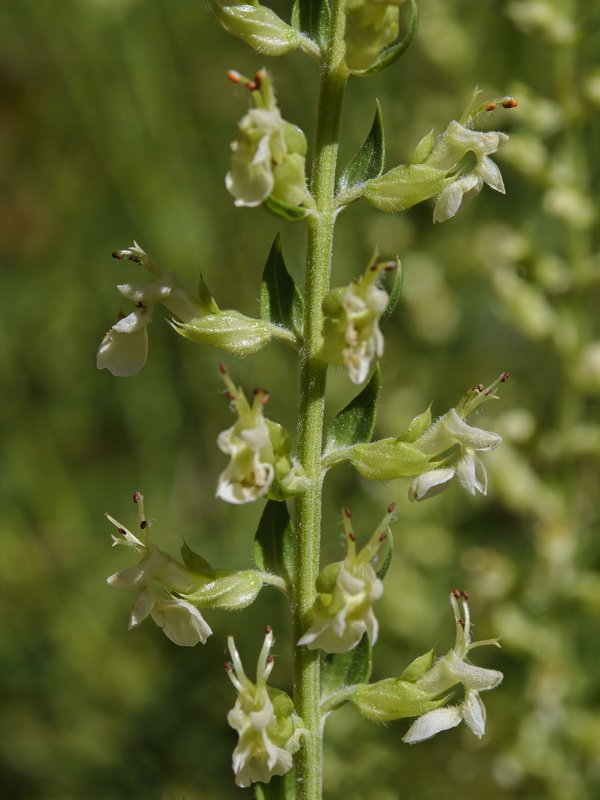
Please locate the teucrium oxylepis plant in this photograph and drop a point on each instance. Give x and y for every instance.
(333, 609)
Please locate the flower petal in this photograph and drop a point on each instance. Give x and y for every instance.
(426, 726)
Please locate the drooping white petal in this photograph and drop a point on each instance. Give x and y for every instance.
(430, 483)
(181, 622)
(471, 473)
(142, 607)
(124, 348)
(474, 713)
(427, 725)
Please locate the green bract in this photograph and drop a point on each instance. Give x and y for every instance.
(259, 27)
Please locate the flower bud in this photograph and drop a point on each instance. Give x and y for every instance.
(370, 27)
(230, 590)
(268, 158)
(259, 27)
(230, 331)
(351, 335)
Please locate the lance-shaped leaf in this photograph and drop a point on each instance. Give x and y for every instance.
(273, 542)
(355, 423)
(312, 18)
(368, 163)
(280, 300)
(391, 54)
(394, 294)
(341, 670)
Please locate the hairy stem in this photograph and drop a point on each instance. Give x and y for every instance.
(313, 374)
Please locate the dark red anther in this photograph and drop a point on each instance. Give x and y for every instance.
(234, 76)
(461, 622)
(137, 496)
(122, 531)
(489, 392)
(143, 524)
(230, 396)
(510, 102)
(374, 267)
(390, 266)
(222, 369)
(504, 377)
(346, 511)
(117, 254)
(258, 79)
(464, 595)
(270, 659)
(251, 86)
(456, 593)
(228, 666)
(480, 387)
(391, 508)
(139, 304)
(490, 106)
(383, 537)
(268, 629)
(352, 537)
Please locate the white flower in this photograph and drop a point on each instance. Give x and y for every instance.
(259, 754)
(351, 334)
(452, 145)
(451, 430)
(258, 448)
(159, 580)
(268, 158)
(343, 611)
(124, 348)
(451, 669)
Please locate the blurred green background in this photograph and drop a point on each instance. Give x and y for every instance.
(115, 123)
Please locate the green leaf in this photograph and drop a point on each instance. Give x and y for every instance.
(285, 210)
(207, 301)
(394, 294)
(368, 163)
(393, 53)
(341, 670)
(280, 787)
(312, 18)
(417, 668)
(280, 299)
(273, 543)
(382, 571)
(196, 563)
(355, 423)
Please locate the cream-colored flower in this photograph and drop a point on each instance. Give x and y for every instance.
(451, 669)
(351, 334)
(124, 348)
(263, 719)
(448, 431)
(268, 157)
(347, 589)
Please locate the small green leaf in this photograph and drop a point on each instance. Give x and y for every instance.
(207, 301)
(273, 543)
(355, 423)
(417, 668)
(280, 787)
(312, 18)
(341, 670)
(368, 163)
(418, 426)
(382, 571)
(196, 563)
(393, 53)
(280, 300)
(394, 294)
(423, 149)
(285, 210)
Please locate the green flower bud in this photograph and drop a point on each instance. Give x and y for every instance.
(405, 186)
(392, 698)
(230, 590)
(370, 27)
(259, 27)
(387, 459)
(230, 331)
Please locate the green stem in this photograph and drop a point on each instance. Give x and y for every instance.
(313, 375)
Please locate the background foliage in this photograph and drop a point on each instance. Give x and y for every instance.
(116, 118)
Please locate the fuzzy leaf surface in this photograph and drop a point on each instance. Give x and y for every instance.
(280, 300)
(273, 542)
(356, 421)
(368, 163)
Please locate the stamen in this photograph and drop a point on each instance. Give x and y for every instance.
(490, 106)
(391, 508)
(461, 622)
(464, 594)
(456, 593)
(509, 102)
(234, 76)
